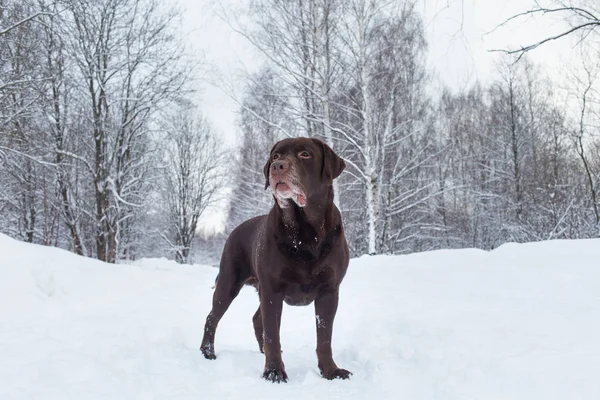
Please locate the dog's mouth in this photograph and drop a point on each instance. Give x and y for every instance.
(284, 190)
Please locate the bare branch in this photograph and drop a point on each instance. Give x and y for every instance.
(23, 21)
(592, 23)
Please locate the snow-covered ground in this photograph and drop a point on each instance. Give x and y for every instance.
(520, 322)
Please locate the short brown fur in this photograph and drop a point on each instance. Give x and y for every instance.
(297, 254)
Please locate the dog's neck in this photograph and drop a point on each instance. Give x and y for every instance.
(318, 213)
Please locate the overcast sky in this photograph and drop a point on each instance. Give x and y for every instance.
(460, 34)
(457, 32)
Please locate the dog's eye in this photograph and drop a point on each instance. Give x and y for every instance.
(304, 154)
(275, 156)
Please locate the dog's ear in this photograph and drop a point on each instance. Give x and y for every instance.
(267, 167)
(332, 164)
(266, 172)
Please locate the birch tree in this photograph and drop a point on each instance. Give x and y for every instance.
(299, 39)
(383, 110)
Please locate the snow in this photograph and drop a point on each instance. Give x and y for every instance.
(520, 322)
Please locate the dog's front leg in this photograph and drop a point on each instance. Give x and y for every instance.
(271, 305)
(325, 309)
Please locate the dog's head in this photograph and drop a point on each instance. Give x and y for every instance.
(298, 168)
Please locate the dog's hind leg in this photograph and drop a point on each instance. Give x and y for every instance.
(228, 286)
(258, 329)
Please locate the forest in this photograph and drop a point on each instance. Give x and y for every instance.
(104, 151)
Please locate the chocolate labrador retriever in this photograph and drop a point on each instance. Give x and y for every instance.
(297, 254)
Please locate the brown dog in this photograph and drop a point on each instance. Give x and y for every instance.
(297, 254)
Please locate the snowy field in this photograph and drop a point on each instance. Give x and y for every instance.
(521, 322)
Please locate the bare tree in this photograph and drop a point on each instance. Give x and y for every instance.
(56, 93)
(382, 112)
(586, 147)
(194, 172)
(83, 83)
(352, 73)
(21, 141)
(131, 65)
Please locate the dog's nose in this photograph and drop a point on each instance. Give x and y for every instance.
(280, 166)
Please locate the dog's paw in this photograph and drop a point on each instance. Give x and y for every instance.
(208, 352)
(337, 373)
(275, 375)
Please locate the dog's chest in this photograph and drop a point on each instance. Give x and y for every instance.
(302, 285)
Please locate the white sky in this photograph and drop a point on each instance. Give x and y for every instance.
(458, 33)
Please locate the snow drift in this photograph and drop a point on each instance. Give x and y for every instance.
(520, 322)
